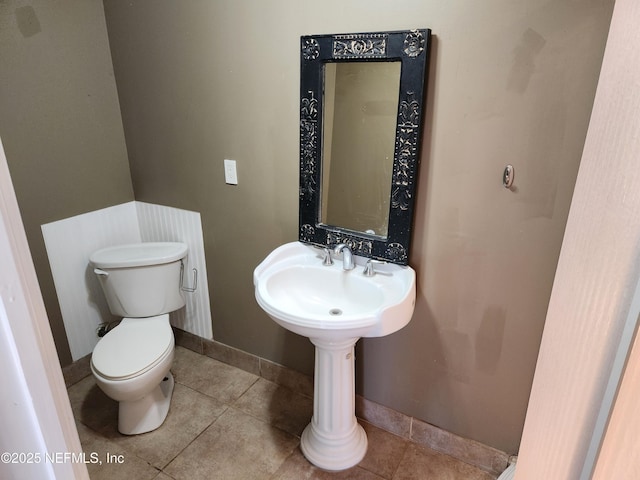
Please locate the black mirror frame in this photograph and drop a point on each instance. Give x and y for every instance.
(411, 48)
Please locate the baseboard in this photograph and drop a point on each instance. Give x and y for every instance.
(76, 371)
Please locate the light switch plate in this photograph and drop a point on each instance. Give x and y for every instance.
(230, 172)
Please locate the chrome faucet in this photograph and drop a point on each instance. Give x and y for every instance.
(347, 257)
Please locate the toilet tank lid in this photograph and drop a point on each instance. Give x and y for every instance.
(139, 254)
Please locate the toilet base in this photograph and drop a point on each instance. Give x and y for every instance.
(149, 412)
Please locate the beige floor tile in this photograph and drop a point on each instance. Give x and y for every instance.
(162, 476)
(236, 446)
(101, 449)
(91, 406)
(220, 381)
(385, 451)
(225, 423)
(296, 467)
(277, 405)
(421, 463)
(190, 414)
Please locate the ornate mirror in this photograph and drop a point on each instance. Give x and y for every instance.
(361, 101)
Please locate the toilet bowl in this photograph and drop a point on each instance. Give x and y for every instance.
(131, 363)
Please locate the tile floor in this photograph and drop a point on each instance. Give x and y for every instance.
(226, 423)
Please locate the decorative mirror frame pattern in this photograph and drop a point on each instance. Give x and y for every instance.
(411, 48)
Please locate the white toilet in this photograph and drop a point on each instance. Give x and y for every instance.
(142, 283)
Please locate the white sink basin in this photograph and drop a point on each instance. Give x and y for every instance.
(324, 302)
(334, 308)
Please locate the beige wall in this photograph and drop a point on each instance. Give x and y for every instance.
(200, 81)
(60, 122)
(511, 82)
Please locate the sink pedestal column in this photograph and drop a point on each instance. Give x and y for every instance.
(334, 440)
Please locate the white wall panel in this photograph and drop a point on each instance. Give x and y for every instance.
(166, 224)
(70, 242)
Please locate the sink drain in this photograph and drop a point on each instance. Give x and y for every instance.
(335, 312)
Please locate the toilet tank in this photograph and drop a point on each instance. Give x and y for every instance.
(141, 279)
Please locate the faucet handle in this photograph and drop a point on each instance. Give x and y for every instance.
(326, 259)
(326, 255)
(369, 271)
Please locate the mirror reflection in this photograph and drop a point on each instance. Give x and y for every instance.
(359, 118)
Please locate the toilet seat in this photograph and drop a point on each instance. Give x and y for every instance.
(133, 347)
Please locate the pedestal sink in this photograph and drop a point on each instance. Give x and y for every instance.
(334, 308)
